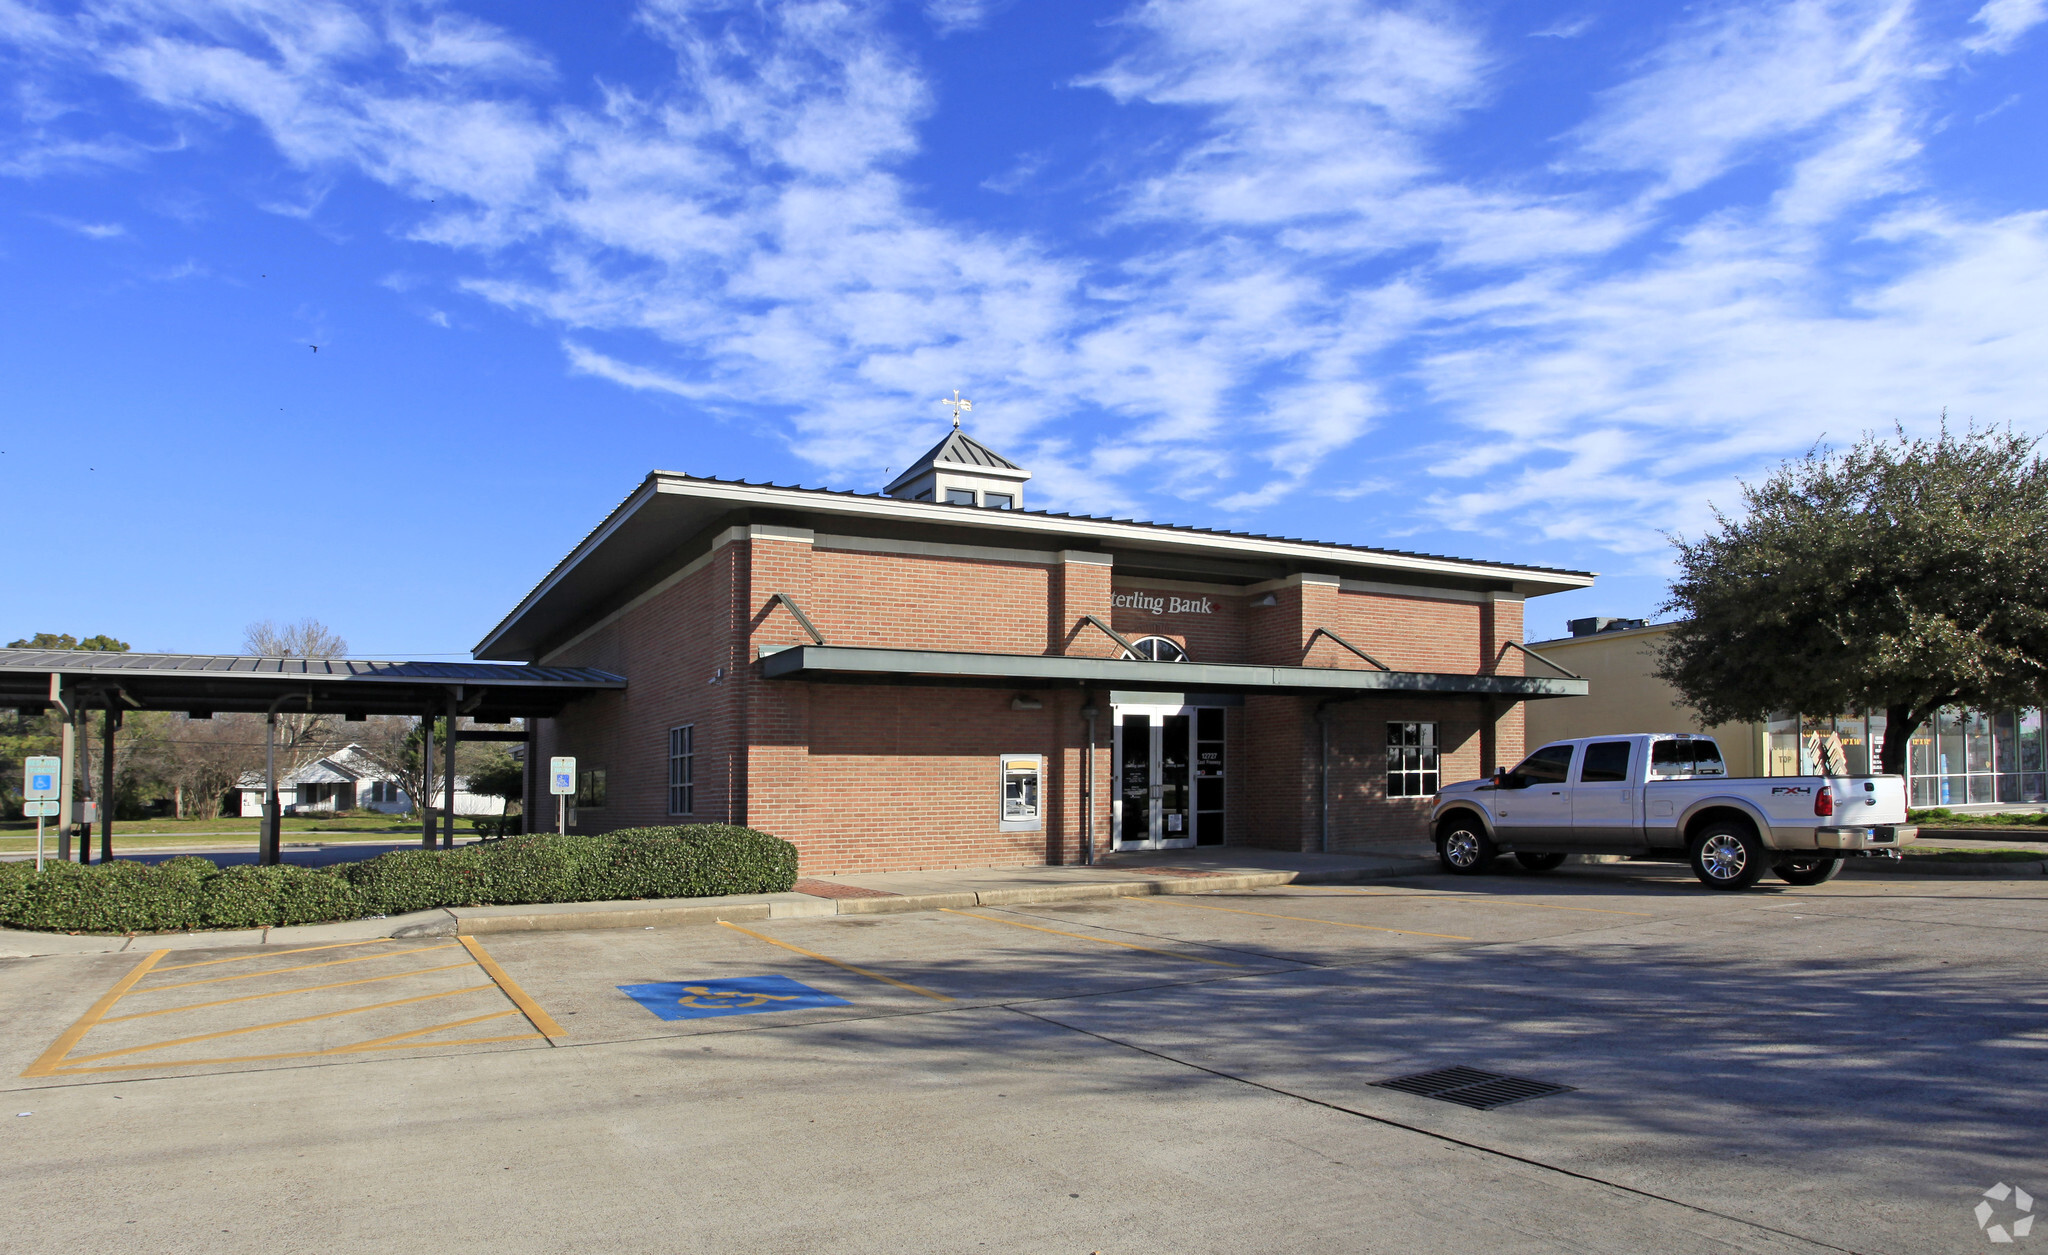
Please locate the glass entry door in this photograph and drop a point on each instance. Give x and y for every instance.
(1157, 751)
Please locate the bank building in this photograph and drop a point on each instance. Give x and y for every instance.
(938, 676)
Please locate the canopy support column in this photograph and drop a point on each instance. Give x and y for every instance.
(107, 780)
(448, 772)
(426, 799)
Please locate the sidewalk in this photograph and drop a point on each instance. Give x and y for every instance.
(1158, 872)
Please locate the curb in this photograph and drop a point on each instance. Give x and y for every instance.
(479, 921)
(1913, 868)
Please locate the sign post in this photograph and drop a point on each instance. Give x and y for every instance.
(39, 789)
(562, 783)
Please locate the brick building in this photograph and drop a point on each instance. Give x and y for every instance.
(937, 677)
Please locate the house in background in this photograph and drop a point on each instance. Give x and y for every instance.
(1957, 758)
(350, 779)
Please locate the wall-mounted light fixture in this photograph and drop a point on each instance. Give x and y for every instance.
(1026, 703)
(1268, 600)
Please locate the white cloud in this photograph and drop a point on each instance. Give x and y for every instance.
(2004, 21)
(1319, 292)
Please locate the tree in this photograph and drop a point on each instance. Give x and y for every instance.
(301, 736)
(395, 742)
(308, 638)
(64, 640)
(1901, 575)
(496, 773)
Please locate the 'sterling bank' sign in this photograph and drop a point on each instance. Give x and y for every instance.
(1160, 603)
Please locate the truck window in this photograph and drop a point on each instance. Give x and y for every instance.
(1696, 756)
(1606, 762)
(1548, 765)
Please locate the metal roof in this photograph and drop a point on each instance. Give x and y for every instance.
(845, 664)
(668, 508)
(352, 685)
(957, 449)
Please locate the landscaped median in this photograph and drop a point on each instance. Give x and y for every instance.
(185, 894)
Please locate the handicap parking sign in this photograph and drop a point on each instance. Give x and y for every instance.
(44, 783)
(747, 995)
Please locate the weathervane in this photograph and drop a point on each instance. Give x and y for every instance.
(959, 404)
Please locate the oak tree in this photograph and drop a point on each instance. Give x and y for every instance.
(1900, 575)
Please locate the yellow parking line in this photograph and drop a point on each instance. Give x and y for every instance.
(1171, 954)
(380, 1043)
(1501, 898)
(375, 1043)
(1306, 919)
(273, 954)
(297, 967)
(527, 1006)
(62, 1046)
(813, 954)
(303, 989)
(257, 1028)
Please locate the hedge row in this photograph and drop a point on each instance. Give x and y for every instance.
(700, 860)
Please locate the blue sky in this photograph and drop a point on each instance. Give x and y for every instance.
(1521, 281)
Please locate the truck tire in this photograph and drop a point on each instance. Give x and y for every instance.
(1728, 855)
(1540, 862)
(1809, 871)
(1463, 847)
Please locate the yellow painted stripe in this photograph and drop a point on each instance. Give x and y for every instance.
(531, 1009)
(1306, 919)
(822, 958)
(69, 1038)
(296, 967)
(303, 989)
(381, 1043)
(273, 954)
(1501, 898)
(373, 1044)
(257, 1028)
(1171, 954)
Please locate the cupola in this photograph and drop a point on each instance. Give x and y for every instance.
(961, 470)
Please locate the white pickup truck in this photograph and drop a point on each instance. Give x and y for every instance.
(1668, 796)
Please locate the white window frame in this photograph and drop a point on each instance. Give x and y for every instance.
(1180, 653)
(1414, 758)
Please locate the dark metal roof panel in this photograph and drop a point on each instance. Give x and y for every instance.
(76, 661)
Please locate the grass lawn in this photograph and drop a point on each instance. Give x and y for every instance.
(1941, 818)
(144, 834)
(1952, 855)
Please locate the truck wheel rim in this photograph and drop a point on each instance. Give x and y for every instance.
(1724, 856)
(1462, 849)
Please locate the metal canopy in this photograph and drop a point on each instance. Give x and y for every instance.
(489, 692)
(842, 664)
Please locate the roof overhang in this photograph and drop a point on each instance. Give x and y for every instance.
(672, 518)
(843, 664)
(488, 692)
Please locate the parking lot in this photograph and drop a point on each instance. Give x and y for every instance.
(1847, 1067)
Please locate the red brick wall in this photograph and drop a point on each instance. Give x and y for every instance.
(915, 602)
(873, 777)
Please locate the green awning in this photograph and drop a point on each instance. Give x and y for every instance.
(842, 664)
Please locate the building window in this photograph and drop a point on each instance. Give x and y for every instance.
(996, 500)
(1158, 649)
(959, 496)
(590, 788)
(1411, 759)
(682, 770)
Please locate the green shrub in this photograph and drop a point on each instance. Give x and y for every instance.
(415, 880)
(14, 881)
(259, 897)
(116, 897)
(699, 860)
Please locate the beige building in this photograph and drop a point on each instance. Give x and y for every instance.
(1625, 695)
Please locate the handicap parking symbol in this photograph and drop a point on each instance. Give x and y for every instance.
(747, 995)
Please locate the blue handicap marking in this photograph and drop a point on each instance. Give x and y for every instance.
(40, 783)
(746, 995)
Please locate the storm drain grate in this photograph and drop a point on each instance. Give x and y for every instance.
(1469, 1087)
